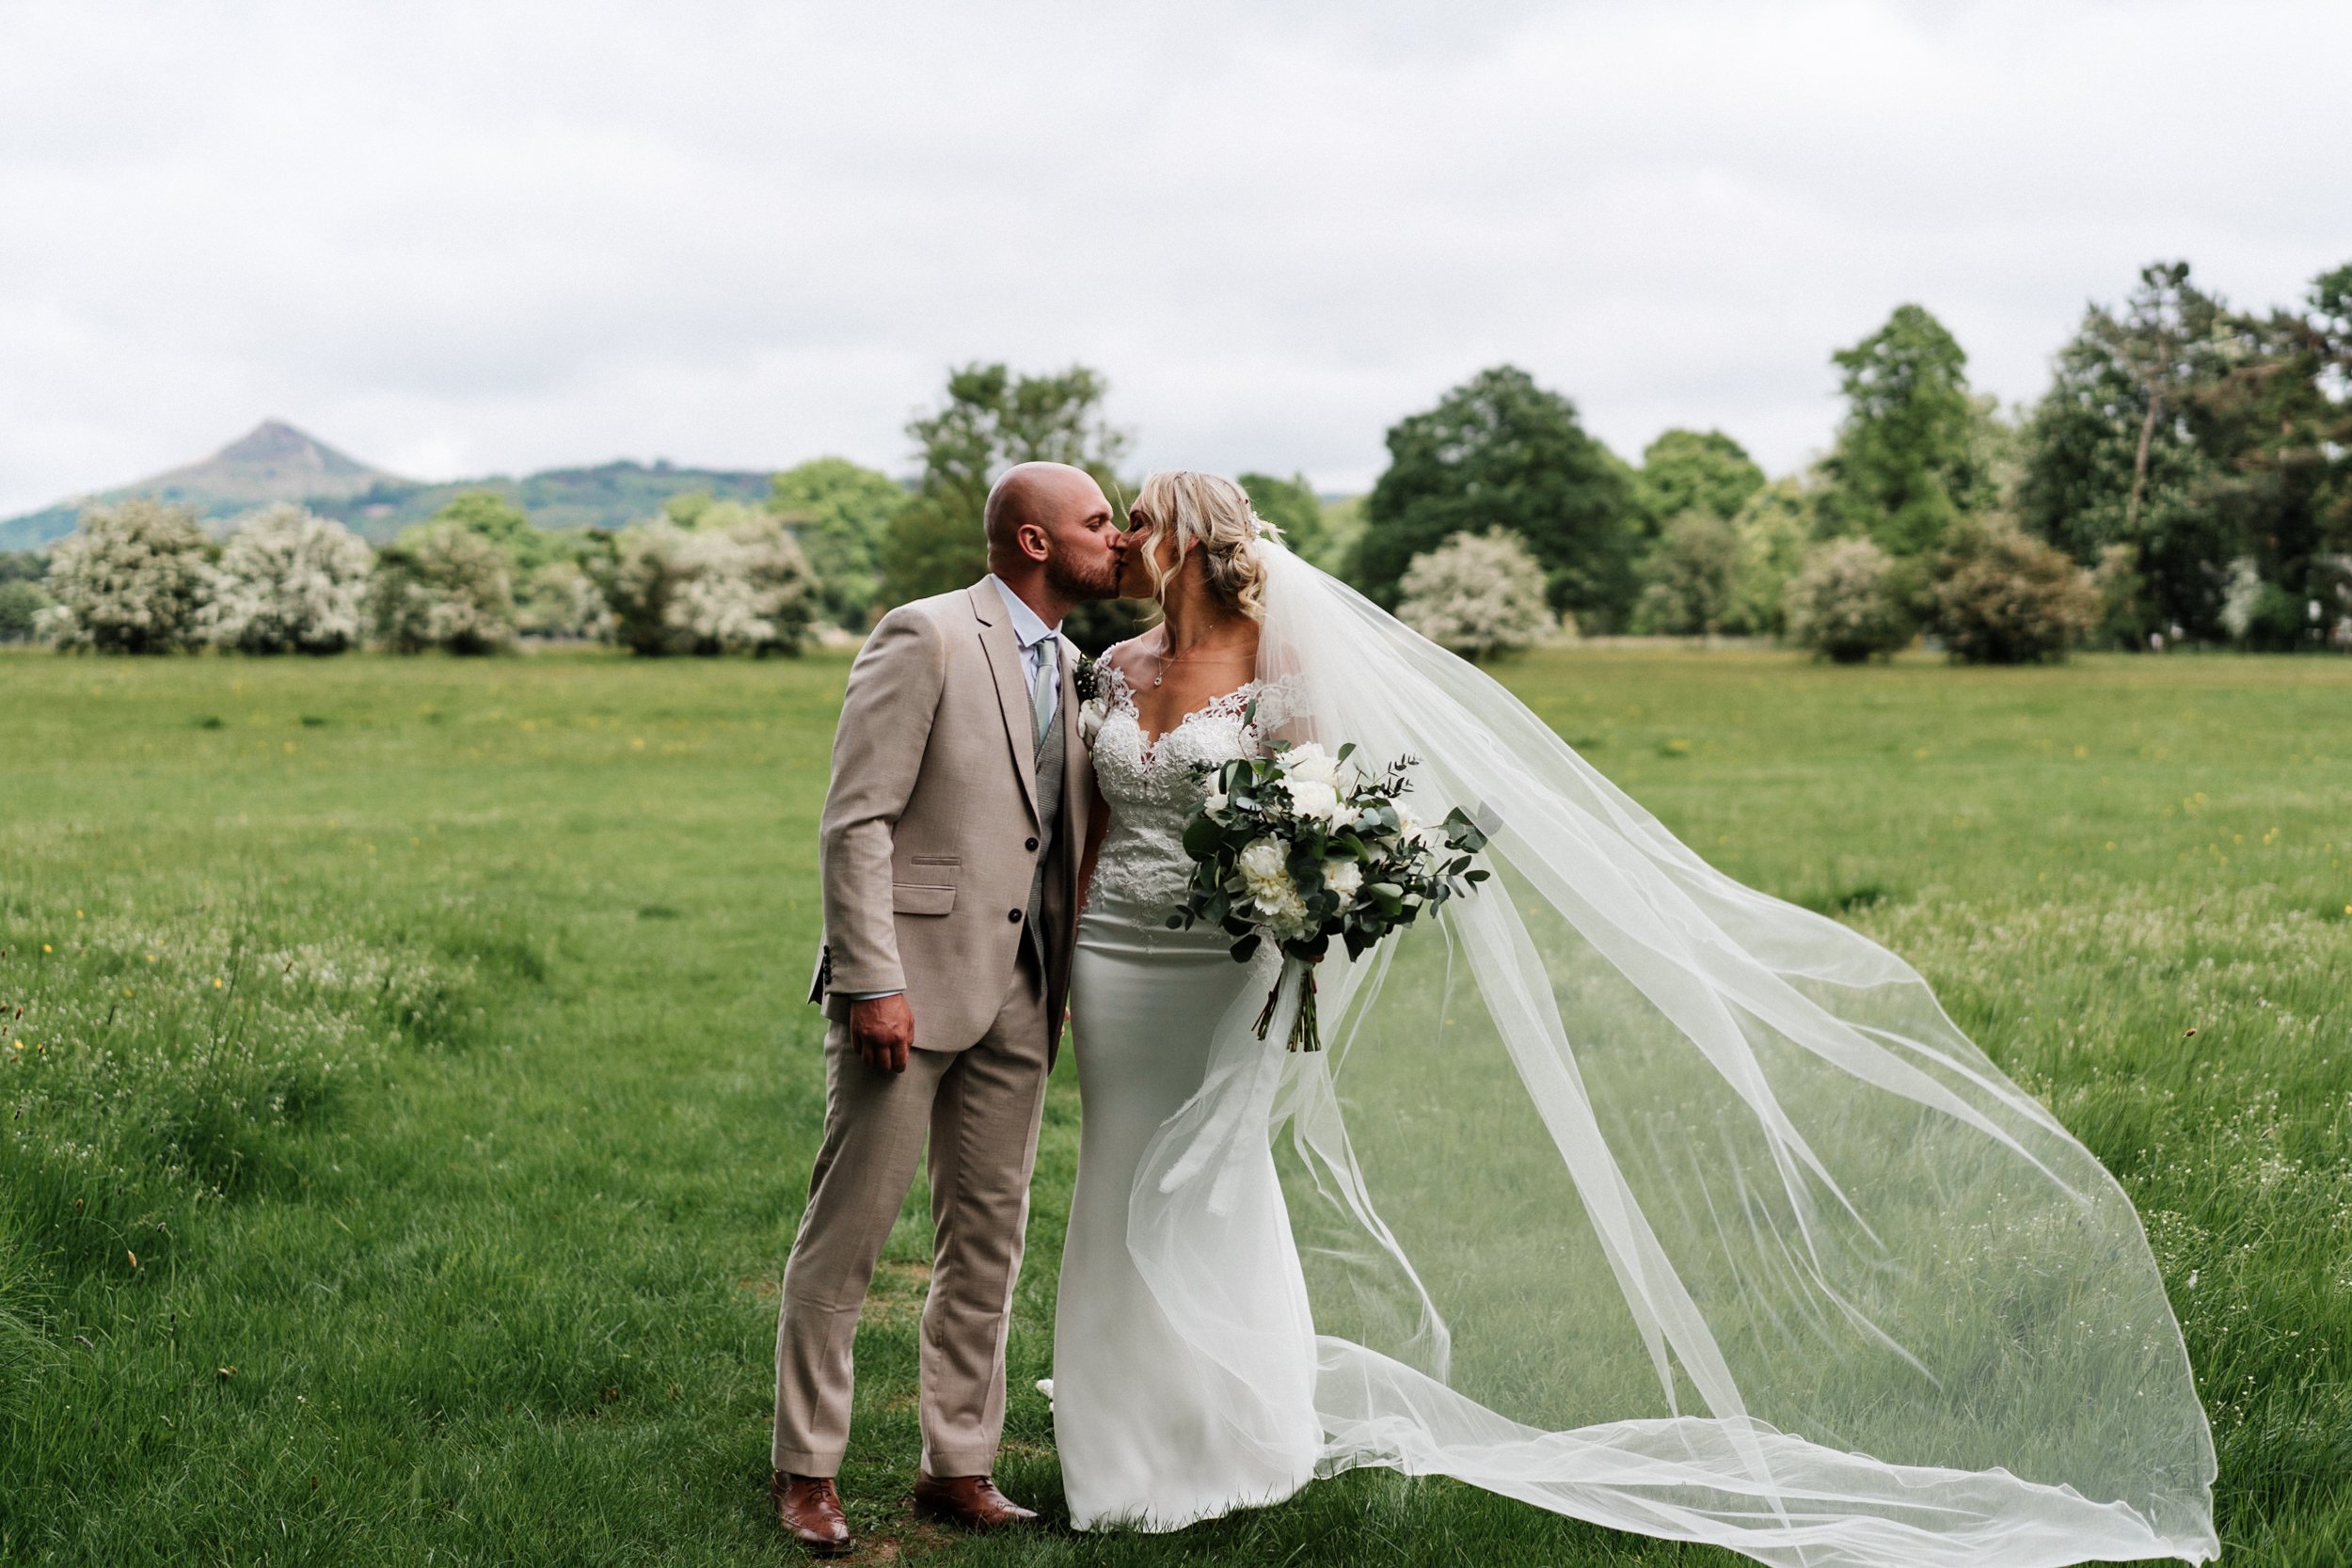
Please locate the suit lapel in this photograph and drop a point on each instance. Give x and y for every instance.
(1003, 653)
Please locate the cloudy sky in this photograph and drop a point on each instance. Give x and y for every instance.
(498, 235)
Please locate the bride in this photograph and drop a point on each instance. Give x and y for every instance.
(1620, 1189)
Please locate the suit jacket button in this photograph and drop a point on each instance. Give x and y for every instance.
(1029, 845)
(1013, 915)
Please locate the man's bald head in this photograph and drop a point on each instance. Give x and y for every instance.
(1036, 493)
(1052, 538)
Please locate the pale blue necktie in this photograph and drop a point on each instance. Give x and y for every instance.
(1043, 688)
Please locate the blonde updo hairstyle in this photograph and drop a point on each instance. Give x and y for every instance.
(1212, 514)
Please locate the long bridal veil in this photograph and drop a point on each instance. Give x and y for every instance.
(1629, 1191)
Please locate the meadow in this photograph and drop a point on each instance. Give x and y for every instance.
(410, 1095)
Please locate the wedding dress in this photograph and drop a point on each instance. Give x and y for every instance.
(1153, 1432)
(1620, 1188)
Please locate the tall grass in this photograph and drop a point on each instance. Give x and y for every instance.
(457, 1203)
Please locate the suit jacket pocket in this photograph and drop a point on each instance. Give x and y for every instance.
(921, 898)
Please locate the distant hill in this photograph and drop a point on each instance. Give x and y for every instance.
(608, 495)
(276, 462)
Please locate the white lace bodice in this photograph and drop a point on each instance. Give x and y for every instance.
(1151, 787)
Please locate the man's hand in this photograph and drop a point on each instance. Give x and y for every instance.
(882, 1029)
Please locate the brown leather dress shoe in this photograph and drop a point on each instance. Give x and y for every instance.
(969, 1502)
(809, 1510)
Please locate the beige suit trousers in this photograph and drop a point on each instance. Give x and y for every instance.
(979, 1108)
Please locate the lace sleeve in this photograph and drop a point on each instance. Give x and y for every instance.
(1111, 686)
(1284, 712)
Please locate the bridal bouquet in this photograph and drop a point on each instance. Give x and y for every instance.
(1303, 848)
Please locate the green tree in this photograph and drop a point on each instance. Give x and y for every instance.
(2215, 445)
(1910, 457)
(494, 517)
(2275, 422)
(1501, 452)
(1776, 529)
(2113, 454)
(1690, 578)
(1692, 470)
(841, 513)
(1292, 506)
(991, 419)
(443, 585)
(21, 604)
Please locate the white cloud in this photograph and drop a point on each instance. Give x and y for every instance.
(459, 238)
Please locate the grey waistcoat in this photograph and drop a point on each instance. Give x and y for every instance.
(1050, 757)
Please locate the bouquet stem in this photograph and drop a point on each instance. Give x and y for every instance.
(1306, 1033)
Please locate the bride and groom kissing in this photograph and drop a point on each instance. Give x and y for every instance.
(1627, 1190)
(958, 836)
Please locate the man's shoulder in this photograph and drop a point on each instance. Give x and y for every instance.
(940, 611)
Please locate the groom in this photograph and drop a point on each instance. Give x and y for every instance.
(949, 848)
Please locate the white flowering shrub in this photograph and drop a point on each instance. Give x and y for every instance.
(441, 585)
(1477, 593)
(741, 587)
(132, 578)
(562, 600)
(1849, 602)
(288, 581)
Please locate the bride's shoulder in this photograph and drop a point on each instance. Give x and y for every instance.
(1126, 659)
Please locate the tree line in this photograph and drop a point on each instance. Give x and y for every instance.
(2186, 477)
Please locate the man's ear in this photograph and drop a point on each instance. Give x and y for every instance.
(1033, 541)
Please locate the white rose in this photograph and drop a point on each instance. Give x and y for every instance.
(1311, 763)
(1215, 801)
(1310, 799)
(1345, 877)
(1090, 716)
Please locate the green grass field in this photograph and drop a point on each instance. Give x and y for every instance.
(410, 1095)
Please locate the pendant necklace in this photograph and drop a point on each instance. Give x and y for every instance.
(1169, 659)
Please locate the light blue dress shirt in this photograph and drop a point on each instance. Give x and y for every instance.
(1030, 630)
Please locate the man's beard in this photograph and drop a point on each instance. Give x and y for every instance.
(1077, 587)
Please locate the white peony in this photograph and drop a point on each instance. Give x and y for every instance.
(1310, 763)
(1264, 866)
(1285, 911)
(1345, 877)
(1312, 798)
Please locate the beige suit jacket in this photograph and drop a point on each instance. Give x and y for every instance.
(930, 834)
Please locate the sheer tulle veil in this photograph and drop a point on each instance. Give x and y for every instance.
(1641, 1196)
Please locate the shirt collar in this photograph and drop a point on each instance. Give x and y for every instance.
(1029, 629)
